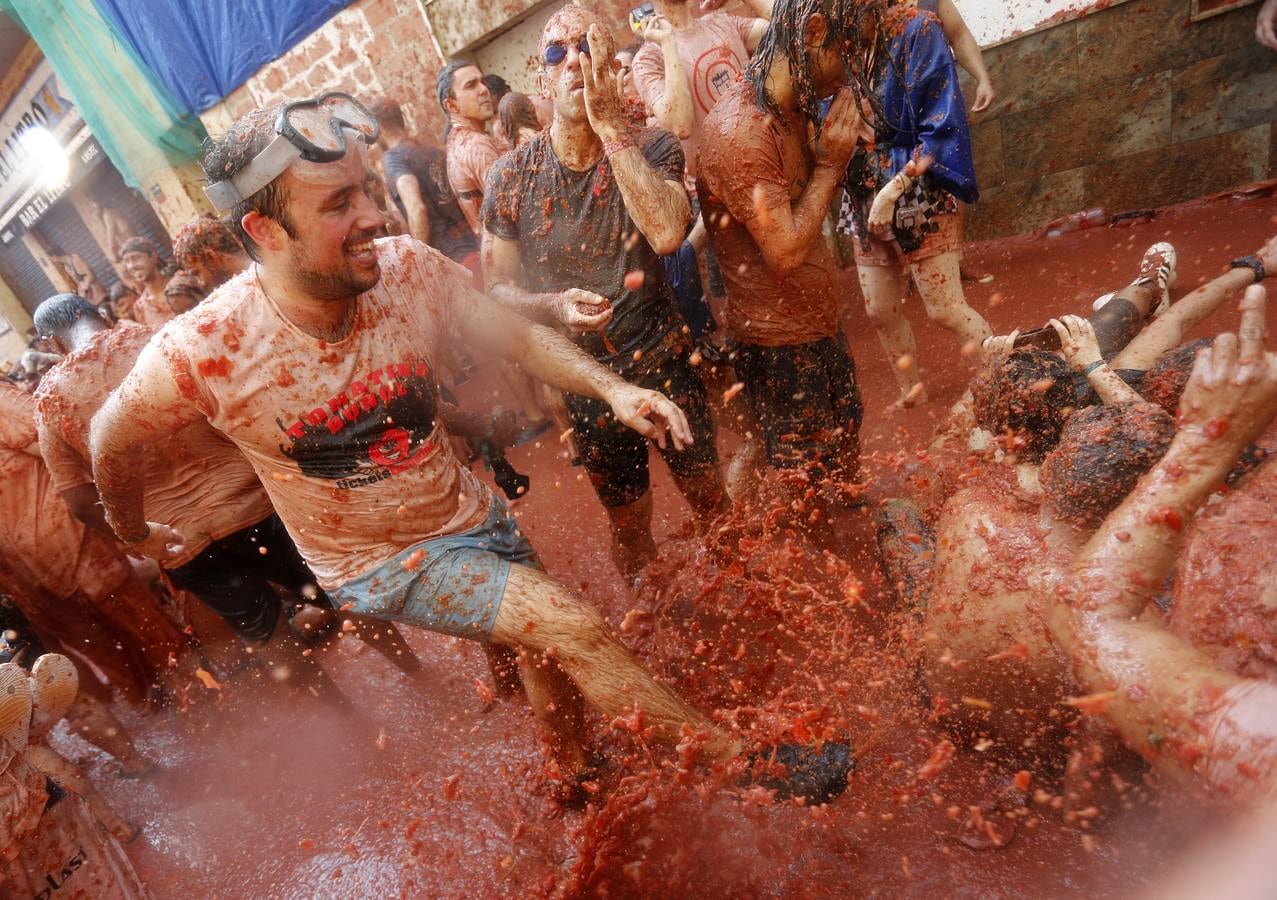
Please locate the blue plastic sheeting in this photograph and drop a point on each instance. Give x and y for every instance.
(201, 50)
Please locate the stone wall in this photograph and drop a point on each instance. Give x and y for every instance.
(1127, 108)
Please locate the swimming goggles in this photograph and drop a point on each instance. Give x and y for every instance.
(312, 130)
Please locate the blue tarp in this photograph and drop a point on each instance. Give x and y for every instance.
(201, 50)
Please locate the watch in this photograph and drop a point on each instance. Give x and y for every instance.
(1250, 262)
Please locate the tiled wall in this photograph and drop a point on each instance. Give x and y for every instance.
(1128, 108)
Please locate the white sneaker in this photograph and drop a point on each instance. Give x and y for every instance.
(1158, 266)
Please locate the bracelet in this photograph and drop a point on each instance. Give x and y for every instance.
(611, 148)
(146, 533)
(1092, 367)
(1250, 262)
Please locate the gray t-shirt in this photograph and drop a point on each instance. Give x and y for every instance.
(574, 232)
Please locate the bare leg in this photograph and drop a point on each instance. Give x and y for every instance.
(542, 616)
(560, 708)
(1168, 329)
(884, 289)
(67, 775)
(940, 285)
(525, 390)
(632, 544)
(704, 492)
(93, 720)
(1119, 320)
(285, 653)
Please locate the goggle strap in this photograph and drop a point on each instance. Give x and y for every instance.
(265, 167)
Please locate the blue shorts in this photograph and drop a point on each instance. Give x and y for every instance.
(452, 584)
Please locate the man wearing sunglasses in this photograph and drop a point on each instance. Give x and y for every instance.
(575, 222)
(318, 364)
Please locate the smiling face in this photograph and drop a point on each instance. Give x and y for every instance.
(333, 220)
(471, 98)
(562, 83)
(139, 266)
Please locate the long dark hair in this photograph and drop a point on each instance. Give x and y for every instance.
(515, 113)
(848, 22)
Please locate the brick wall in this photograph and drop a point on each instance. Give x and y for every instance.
(1128, 108)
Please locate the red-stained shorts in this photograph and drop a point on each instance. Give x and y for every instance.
(947, 239)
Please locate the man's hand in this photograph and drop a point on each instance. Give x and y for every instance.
(1231, 397)
(984, 96)
(843, 127)
(161, 543)
(996, 346)
(1264, 31)
(1078, 345)
(582, 311)
(659, 30)
(651, 414)
(602, 98)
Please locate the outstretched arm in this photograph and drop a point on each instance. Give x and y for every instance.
(1081, 350)
(547, 355)
(146, 408)
(1194, 721)
(1168, 329)
(659, 207)
(503, 272)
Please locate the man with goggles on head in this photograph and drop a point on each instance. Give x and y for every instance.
(318, 363)
(575, 221)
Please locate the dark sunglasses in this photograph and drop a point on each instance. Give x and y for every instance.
(557, 52)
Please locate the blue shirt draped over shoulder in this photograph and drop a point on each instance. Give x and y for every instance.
(923, 107)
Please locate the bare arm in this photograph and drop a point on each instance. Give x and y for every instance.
(410, 196)
(671, 100)
(547, 355)
(1079, 347)
(147, 408)
(660, 208)
(967, 52)
(1168, 329)
(1191, 719)
(503, 274)
(785, 231)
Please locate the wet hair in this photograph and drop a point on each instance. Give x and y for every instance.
(139, 245)
(1164, 383)
(785, 39)
(185, 281)
(1029, 393)
(201, 236)
(57, 315)
(388, 112)
(229, 154)
(1102, 453)
(498, 87)
(516, 112)
(119, 291)
(444, 89)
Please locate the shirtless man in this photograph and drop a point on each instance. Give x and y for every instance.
(208, 248)
(198, 482)
(141, 262)
(470, 149)
(570, 218)
(334, 403)
(764, 196)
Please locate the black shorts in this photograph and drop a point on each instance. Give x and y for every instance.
(806, 399)
(233, 577)
(615, 456)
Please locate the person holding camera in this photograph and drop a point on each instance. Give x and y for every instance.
(902, 196)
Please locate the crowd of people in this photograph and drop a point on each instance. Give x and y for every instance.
(646, 253)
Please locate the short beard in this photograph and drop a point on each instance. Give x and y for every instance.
(340, 284)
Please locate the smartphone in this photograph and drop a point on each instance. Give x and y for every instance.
(1046, 338)
(638, 15)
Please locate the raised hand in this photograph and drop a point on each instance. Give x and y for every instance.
(602, 94)
(1078, 345)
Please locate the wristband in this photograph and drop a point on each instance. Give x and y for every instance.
(1250, 262)
(146, 533)
(1092, 367)
(611, 148)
